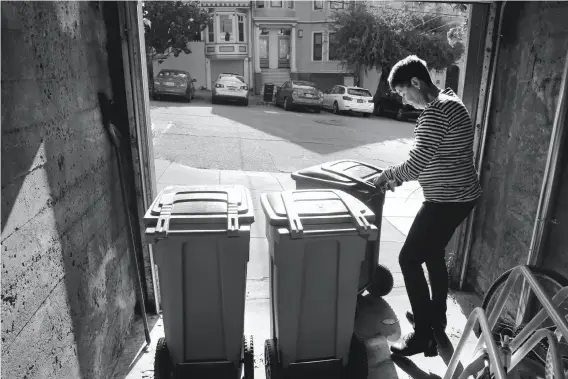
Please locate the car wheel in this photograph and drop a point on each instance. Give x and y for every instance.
(214, 100)
(317, 110)
(336, 108)
(400, 115)
(155, 97)
(366, 115)
(286, 104)
(246, 102)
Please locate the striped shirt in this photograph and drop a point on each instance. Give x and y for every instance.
(442, 156)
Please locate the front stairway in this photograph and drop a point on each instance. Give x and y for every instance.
(277, 76)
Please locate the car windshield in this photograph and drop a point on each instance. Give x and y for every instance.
(225, 76)
(359, 92)
(231, 80)
(172, 74)
(302, 84)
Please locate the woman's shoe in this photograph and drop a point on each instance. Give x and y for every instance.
(413, 344)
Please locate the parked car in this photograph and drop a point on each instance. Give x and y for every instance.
(349, 99)
(174, 82)
(296, 94)
(230, 87)
(390, 103)
(230, 74)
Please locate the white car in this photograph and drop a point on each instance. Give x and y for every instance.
(230, 87)
(349, 99)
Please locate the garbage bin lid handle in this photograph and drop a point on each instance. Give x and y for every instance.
(353, 178)
(232, 214)
(363, 226)
(296, 228)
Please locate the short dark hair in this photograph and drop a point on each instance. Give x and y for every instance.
(404, 70)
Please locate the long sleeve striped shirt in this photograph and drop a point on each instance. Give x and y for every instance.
(442, 156)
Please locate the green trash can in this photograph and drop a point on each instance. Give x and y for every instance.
(317, 240)
(201, 240)
(354, 178)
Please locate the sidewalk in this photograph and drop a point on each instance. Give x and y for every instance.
(377, 321)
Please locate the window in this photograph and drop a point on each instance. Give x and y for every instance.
(260, 4)
(276, 4)
(241, 28)
(318, 4)
(210, 31)
(226, 27)
(359, 92)
(317, 48)
(340, 90)
(291, 4)
(333, 46)
(337, 4)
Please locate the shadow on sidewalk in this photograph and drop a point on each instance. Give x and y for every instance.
(445, 350)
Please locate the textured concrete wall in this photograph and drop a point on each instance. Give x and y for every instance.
(534, 44)
(67, 292)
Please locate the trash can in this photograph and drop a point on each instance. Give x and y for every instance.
(317, 241)
(268, 93)
(353, 177)
(201, 238)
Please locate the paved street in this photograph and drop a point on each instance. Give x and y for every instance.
(266, 138)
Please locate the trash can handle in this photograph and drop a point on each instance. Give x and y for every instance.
(363, 226)
(355, 179)
(296, 228)
(232, 215)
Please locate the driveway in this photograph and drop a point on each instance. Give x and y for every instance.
(265, 138)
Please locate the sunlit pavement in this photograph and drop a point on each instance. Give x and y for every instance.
(267, 138)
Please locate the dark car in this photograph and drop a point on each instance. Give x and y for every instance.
(390, 104)
(296, 94)
(175, 83)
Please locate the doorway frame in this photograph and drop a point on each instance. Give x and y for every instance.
(138, 103)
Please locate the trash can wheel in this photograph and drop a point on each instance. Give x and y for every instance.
(271, 364)
(382, 282)
(248, 360)
(162, 361)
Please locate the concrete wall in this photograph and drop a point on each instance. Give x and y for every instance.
(534, 45)
(67, 292)
(193, 63)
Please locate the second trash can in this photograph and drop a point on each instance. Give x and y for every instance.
(317, 241)
(353, 177)
(201, 238)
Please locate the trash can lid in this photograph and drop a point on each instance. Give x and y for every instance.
(187, 207)
(343, 174)
(315, 207)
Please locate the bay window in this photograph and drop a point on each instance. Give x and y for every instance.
(225, 28)
(241, 20)
(211, 31)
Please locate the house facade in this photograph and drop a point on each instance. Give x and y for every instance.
(227, 40)
(292, 41)
(272, 42)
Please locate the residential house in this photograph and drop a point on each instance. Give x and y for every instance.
(292, 41)
(227, 40)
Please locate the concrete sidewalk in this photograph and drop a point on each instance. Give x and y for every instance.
(377, 322)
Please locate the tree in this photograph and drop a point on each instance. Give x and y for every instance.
(377, 36)
(169, 27)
